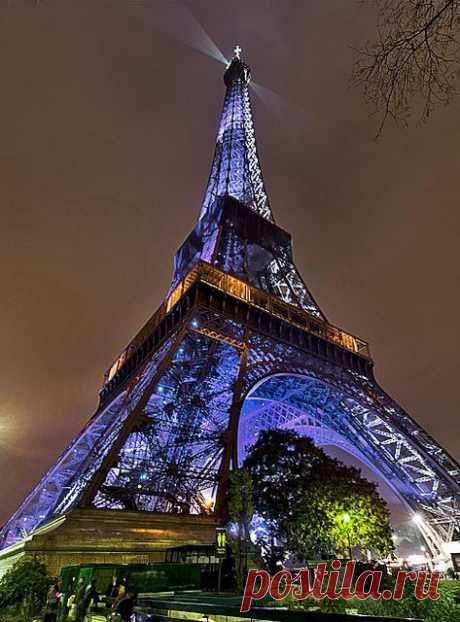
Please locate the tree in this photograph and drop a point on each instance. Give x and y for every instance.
(304, 497)
(413, 60)
(26, 583)
(241, 510)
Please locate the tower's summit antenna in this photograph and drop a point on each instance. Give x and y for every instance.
(237, 51)
(237, 69)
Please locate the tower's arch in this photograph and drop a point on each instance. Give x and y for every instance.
(260, 413)
(338, 416)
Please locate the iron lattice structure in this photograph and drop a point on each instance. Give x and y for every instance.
(238, 345)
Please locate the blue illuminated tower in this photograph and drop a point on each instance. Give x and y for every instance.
(237, 346)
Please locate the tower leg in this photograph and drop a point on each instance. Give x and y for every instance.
(230, 457)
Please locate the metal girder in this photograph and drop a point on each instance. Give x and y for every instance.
(171, 455)
(236, 170)
(170, 460)
(236, 173)
(61, 487)
(358, 410)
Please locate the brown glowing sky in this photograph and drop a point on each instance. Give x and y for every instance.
(108, 121)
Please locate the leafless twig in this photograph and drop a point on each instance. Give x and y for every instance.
(414, 59)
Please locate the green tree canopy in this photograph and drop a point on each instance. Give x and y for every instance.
(27, 579)
(314, 504)
(240, 498)
(240, 510)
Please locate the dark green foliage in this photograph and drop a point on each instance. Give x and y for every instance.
(442, 610)
(27, 581)
(303, 495)
(241, 510)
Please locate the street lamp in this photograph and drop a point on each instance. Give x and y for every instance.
(429, 559)
(346, 519)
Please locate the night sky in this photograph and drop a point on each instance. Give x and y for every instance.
(108, 116)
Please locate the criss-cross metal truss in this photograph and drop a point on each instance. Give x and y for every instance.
(61, 488)
(238, 346)
(340, 407)
(171, 456)
(235, 169)
(263, 260)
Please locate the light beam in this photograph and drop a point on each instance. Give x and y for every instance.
(176, 20)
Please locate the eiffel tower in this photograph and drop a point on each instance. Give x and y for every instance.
(238, 345)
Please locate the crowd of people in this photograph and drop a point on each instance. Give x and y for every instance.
(83, 598)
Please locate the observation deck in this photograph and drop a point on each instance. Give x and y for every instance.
(259, 310)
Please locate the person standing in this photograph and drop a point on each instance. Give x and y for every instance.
(52, 604)
(79, 600)
(71, 608)
(90, 596)
(111, 592)
(125, 606)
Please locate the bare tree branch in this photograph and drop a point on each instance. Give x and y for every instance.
(414, 60)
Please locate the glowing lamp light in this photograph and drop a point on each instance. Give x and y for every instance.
(416, 560)
(209, 504)
(195, 323)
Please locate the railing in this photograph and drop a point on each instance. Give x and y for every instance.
(255, 297)
(258, 298)
(227, 608)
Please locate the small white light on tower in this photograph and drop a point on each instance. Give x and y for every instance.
(417, 518)
(237, 52)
